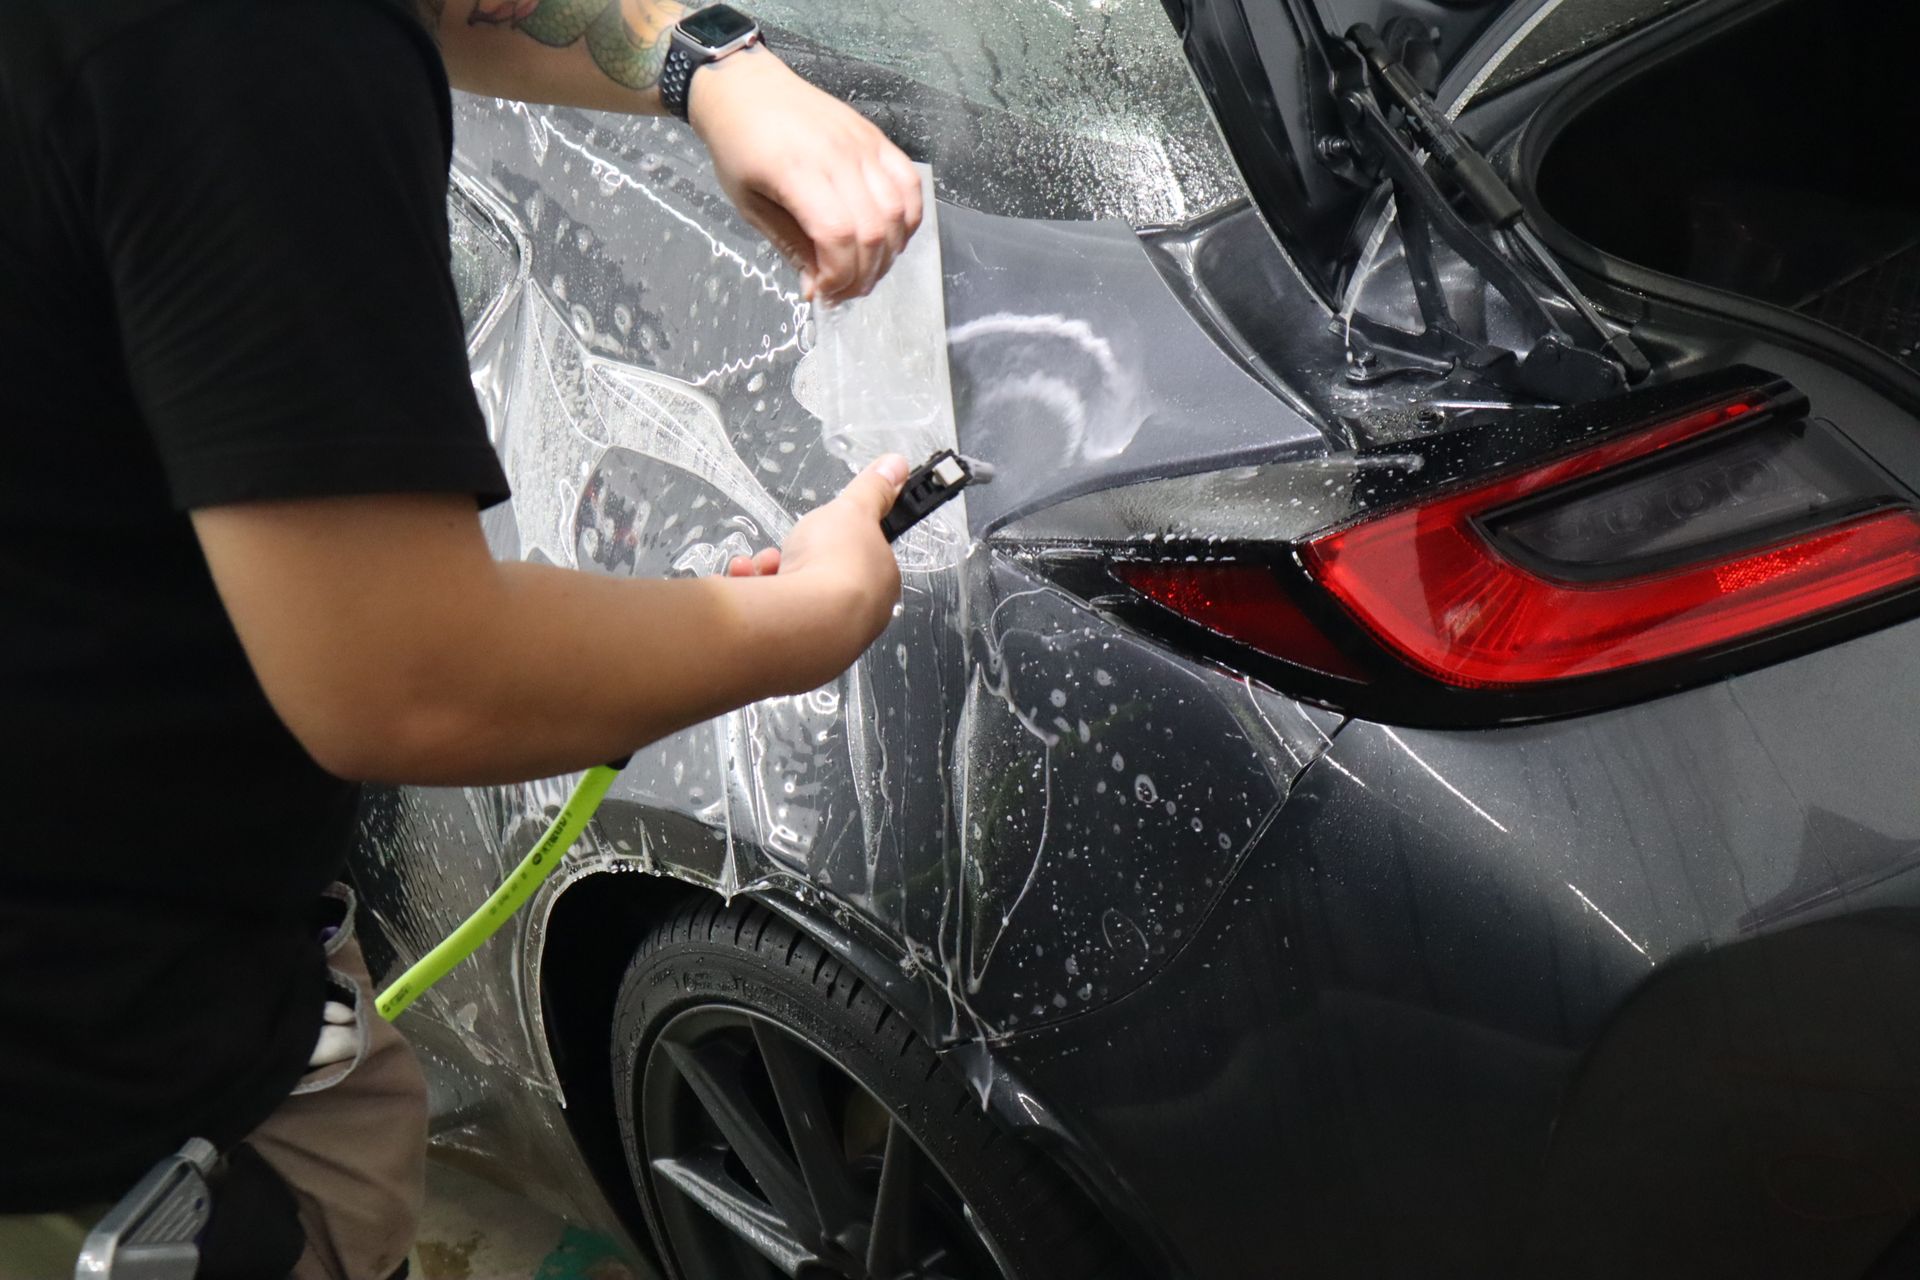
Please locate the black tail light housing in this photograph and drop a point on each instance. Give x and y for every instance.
(1570, 560)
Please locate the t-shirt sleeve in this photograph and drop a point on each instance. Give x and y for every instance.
(268, 182)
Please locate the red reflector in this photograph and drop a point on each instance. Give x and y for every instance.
(1429, 585)
(1242, 602)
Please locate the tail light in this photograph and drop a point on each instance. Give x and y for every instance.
(1694, 534)
(1245, 603)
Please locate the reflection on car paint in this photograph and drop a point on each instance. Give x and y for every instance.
(1681, 928)
(1077, 367)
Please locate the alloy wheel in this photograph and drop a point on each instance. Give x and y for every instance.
(767, 1159)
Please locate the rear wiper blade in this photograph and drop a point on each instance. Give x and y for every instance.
(1476, 178)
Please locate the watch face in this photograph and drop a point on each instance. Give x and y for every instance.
(716, 26)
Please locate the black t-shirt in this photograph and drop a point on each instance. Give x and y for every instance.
(223, 277)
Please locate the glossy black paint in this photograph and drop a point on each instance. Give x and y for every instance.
(1077, 365)
(1633, 994)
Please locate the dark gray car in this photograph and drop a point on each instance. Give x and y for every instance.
(1409, 771)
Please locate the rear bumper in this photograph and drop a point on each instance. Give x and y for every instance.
(1637, 993)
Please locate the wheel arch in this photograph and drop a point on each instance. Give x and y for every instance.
(595, 920)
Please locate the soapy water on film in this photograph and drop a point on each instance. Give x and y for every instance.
(570, 411)
(877, 379)
(611, 178)
(1126, 133)
(587, 410)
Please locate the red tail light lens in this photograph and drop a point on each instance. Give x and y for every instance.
(1244, 603)
(1688, 536)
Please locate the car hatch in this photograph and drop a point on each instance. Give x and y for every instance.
(1334, 114)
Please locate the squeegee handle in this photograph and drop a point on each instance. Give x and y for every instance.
(513, 893)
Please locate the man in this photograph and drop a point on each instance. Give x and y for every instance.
(241, 562)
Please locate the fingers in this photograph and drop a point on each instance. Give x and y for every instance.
(813, 204)
(813, 175)
(761, 564)
(906, 180)
(881, 191)
(804, 215)
(877, 206)
(871, 253)
(874, 490)
(890, 202)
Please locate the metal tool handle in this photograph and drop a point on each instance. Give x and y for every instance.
(154, 1232)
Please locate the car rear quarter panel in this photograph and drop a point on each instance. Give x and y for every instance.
(1634, 993)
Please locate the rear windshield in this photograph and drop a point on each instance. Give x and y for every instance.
(1569, 30)
(1069, 109)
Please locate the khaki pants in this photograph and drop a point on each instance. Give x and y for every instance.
(351, 1142)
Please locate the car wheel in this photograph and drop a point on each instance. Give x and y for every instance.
(782, 1120)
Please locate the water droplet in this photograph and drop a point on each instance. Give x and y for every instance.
(1143, 788)
(1058, 697)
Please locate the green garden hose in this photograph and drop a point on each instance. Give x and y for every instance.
(507, 899)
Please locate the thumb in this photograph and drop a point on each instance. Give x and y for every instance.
(874, 489)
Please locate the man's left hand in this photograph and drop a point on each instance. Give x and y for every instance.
(813, 175)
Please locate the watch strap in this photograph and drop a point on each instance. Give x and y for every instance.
(676, 76)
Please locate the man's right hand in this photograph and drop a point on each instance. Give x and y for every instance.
(839, 559)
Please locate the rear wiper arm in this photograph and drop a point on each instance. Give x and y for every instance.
(1495, 200)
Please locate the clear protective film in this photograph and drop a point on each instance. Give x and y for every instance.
(1021, 805)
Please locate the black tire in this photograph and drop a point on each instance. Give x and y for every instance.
(712, 1002)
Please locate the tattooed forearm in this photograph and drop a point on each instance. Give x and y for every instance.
(627, 39)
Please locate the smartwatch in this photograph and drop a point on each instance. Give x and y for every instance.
(703, 36)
